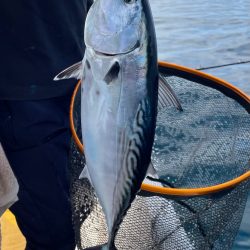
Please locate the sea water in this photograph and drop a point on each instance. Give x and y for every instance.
(200, 34)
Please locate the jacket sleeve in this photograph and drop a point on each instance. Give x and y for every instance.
(89, 3)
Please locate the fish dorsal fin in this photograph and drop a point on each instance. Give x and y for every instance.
(74, 71)
(85, 174)
(166, 95)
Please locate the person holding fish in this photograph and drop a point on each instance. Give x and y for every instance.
(38, 39)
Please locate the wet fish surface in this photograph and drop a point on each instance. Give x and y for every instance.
(119, 98)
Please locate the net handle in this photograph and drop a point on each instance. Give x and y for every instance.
(175, 191)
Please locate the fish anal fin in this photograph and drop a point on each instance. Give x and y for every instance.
(74, 71)
(166, 95)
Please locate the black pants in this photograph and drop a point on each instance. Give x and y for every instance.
(35, 136)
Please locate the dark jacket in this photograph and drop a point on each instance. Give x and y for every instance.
(38, 39)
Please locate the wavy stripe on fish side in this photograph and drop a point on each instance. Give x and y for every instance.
(118, 102)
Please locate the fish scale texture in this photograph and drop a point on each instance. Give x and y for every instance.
(206, 144)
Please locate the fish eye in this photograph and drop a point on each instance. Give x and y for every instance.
(129, 1)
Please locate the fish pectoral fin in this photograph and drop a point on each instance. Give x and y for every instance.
(166, 95)
(85, 174)
(74, 71)
(113, 73)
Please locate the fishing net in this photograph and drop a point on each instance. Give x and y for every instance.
(204, 146)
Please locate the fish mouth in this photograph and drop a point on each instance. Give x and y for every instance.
(105, 54)
(102, 53)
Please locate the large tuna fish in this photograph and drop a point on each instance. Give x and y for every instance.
(119, 75)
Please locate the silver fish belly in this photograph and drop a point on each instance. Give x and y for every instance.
(117, 127)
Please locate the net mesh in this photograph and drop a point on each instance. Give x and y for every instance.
(206, 144)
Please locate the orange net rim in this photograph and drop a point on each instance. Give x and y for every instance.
(176, 191)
